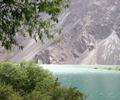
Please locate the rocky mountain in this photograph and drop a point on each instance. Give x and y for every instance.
(106, 52)
(90, 35)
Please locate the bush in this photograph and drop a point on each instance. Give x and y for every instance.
(7, 93)
(28, 81)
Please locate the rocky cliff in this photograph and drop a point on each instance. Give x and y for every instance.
(91, 35)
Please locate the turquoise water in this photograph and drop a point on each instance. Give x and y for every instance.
(96, 84)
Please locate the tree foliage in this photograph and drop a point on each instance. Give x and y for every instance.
(17, 15)
(27, 81)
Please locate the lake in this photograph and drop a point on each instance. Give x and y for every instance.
(96, 84)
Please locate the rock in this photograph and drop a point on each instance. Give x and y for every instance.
(91, 33)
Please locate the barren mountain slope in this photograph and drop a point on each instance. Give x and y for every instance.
(90, 36)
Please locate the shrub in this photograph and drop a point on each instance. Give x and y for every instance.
(28, 81)
(7, 93)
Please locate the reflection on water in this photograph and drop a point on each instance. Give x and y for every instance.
(97, 84)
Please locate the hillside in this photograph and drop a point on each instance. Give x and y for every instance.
(90, 36)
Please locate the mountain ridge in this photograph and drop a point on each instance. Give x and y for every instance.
(90, 35)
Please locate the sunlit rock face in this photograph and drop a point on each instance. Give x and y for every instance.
(91, 35)
(106, 52)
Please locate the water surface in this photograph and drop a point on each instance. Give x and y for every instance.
(97, 84)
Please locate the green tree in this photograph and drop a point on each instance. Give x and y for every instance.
(28, 81)
(16, 14)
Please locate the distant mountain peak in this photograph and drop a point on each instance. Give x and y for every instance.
(112, 40)
(114, 36)
(108, 51)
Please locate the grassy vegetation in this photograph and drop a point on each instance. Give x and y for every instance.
(28, 81)
(109, 68)
(117, 68)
